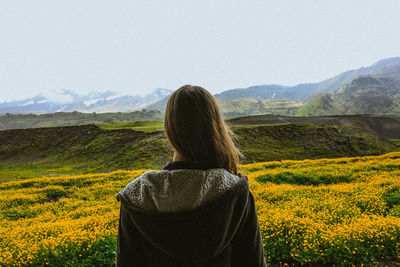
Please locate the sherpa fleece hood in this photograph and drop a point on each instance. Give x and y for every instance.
(186, 213)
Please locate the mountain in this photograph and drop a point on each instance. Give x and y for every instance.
(373, 89)
(268, 92)
(159, 105)
(384, 68)
(322, 98)
(260, 92)
(305, 92)
(250, 106)
(35, 104)
(370, 95)
(377, 92)
(68, 101)
(245, 106)
(239, 98)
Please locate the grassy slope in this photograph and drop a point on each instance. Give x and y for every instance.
(139, 126)
(85, 148)
(395, 141)
(320, 105)
(31, 170)
(302, 141)
(89, 148)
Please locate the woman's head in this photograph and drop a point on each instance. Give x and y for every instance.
(195, 129)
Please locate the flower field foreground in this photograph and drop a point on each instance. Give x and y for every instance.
(336, 211)
(343, 211)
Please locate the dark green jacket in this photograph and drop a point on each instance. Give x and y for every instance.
(222, 232)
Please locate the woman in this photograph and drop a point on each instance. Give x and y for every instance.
(197, 210)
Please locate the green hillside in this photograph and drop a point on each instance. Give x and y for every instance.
(395, 141)
(139, 126)
(89, 148)
(321, 105)
(307, 141)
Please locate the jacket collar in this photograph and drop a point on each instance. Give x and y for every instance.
(193, 165)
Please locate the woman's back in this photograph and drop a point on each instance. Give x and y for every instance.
(215, 226)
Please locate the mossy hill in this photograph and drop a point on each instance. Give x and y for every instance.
(90, 148)
(321, 105)
(139, 126)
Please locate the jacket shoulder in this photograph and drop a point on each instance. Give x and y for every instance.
(177, 190)
(135, 188)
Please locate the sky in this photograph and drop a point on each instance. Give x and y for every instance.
(135, 46)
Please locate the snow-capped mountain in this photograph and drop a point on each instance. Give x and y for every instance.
(68, 101)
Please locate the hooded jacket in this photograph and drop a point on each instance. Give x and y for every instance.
(188, 214)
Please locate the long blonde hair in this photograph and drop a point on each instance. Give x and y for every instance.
(194, 127)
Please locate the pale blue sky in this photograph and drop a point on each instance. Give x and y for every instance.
(135, 46)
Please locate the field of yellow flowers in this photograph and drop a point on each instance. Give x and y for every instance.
(337, 211)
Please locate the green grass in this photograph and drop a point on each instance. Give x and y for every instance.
(256, 125)
(287, 177)
(396, 141)
(139, 126)
(25, 171)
